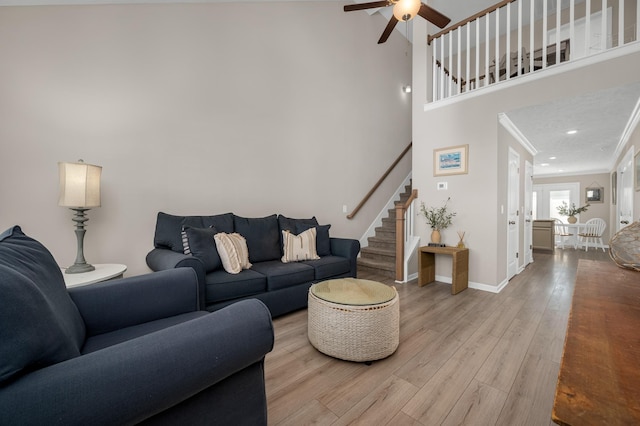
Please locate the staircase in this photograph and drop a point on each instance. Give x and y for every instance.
(379, 257)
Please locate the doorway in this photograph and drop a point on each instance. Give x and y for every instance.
(513, 222)
(624, 204)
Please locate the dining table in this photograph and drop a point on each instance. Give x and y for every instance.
(571, 228)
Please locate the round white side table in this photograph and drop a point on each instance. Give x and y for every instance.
(103, 272)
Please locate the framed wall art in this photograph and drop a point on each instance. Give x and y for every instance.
(451, 161)
(594, 194)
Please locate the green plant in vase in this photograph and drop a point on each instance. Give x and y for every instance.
(438, 218)
(571, 211)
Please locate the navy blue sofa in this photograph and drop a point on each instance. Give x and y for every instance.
(283, 287)
(122, 352)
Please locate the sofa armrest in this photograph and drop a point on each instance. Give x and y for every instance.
(115, 304)
(134, 380)
(160, 259)
(349, 248)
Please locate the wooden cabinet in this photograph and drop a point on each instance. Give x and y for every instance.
(543, 235)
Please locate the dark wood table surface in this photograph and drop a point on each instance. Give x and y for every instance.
(599, 379)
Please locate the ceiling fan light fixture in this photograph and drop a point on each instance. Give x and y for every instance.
(405, 10)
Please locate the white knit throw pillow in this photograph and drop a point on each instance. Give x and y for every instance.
(232, 249)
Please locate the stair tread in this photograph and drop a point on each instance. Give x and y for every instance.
(383, 238)
(378, 250)
(380, 253)
(387, 266)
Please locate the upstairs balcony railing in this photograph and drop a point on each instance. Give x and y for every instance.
(518, 37)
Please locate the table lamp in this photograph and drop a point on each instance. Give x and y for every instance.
(80, 191)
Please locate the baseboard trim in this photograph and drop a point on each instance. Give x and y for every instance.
(477, 286)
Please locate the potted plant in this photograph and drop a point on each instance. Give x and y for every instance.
(571, 212)
(438, 218)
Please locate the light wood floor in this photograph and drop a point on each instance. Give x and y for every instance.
(475, 358)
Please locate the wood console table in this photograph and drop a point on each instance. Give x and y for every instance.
(599, 379)
(460, 266)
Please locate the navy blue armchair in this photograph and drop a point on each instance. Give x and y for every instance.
(129, 351)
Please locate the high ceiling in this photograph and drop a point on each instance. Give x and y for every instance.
(600, 118)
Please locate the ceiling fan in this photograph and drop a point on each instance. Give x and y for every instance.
(403, 10)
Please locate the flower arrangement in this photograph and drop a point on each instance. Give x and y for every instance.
(437, 218)
(565, 210)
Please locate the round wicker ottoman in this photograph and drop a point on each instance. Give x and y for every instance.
(353, 319)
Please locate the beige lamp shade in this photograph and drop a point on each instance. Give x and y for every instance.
(79, 185)
(406, 10)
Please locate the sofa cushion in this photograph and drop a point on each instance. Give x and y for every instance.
(329, 266)
(221, 286)
(323, 241)
(101, 341)
(201, 244)
(289, 224)
(262, 235)
(222, 222)
(299, 247)
(280, 275)
(39, 323)
(169, 230)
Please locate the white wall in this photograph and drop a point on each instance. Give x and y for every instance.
(253, 108)
(634, 140)
(474, 120)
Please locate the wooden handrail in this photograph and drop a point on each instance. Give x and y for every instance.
(469, 19)
(377, 185)
(413, 196)
(401, 210)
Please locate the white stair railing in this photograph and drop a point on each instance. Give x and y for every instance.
(491, 46)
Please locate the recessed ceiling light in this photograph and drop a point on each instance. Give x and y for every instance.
(552, 158)
(544, 164)
(572, 132)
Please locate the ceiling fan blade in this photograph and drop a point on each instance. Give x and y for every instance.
(433, 16)
(387, 31)
(362, 6)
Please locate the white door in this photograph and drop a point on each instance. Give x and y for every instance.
(528, 212)
(513, 224)
(624, 205)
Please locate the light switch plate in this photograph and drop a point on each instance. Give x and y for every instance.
(442, 186)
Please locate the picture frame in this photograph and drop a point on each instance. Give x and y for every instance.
(636, 171)
(594, 194)
(453, 160)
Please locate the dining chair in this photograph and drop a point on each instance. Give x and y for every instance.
(592, 232)
(562, 232)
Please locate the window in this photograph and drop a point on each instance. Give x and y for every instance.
(548, 197)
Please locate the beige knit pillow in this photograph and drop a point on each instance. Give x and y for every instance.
(232, 249)
(240, 244)
(299, 247)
